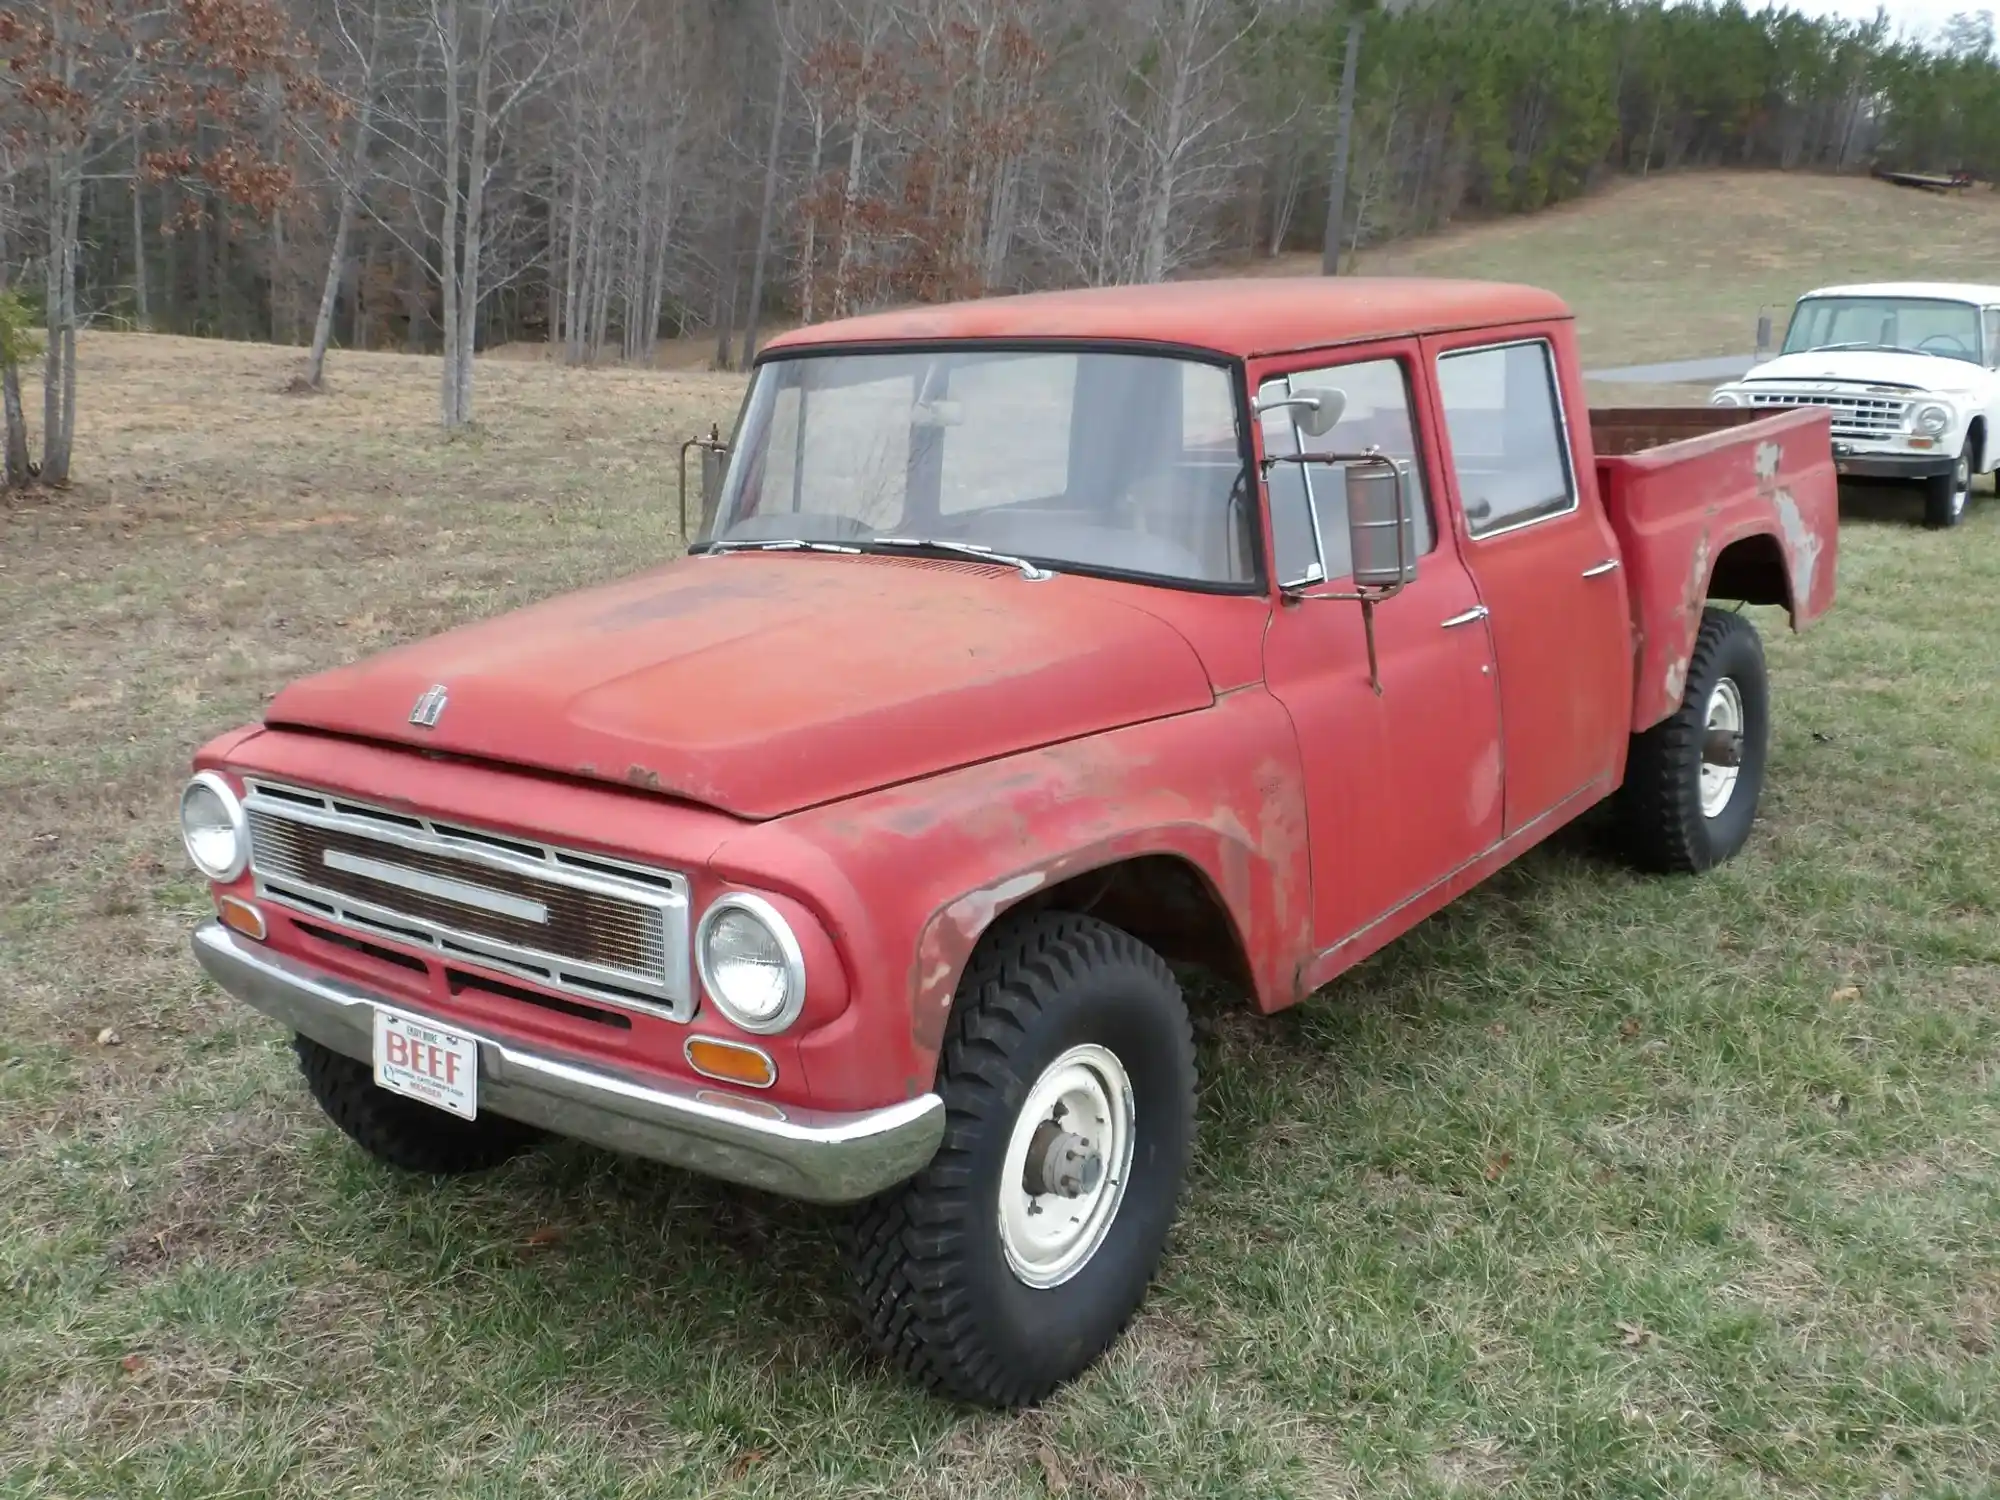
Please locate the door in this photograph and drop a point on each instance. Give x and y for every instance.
(1546, 564)
(1402, 788)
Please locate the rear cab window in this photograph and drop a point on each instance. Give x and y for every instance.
(1509, 445)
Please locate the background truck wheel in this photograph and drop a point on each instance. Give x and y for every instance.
(1946, 496)
(1016, 1258)
(401, 1131)
(1692, 781)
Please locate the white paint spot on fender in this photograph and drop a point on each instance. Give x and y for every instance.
(974, 910)
(1769, 457)
(1677, 680)
(1803, 543)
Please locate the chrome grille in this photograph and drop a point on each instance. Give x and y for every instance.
(1854, 415)
(577, 923)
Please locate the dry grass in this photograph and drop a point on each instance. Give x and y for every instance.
(1595, 1185)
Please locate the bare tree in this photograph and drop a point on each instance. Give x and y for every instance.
(350, 182)
(1343, 140)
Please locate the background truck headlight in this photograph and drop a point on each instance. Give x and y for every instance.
(1725, 398)
(1931, 419)
(212, 827)
(751, 964)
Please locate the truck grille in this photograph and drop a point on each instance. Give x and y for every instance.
(577, 923)
(1870, 418)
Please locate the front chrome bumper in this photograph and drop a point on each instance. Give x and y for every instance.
(1878, 463)
(799, 1153)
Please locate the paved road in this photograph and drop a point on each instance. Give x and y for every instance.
(1720, 367)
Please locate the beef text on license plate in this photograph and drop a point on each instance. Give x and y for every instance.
(426, 1062)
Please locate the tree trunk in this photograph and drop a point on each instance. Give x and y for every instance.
(59, 361)
(1343, 141)
(140, 310)
(14, 472)
(763, 249)
(450, 412)
(350, 197)
(17, 426)
(473, 245)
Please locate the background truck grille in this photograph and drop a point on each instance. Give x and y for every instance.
(1854, 415)
(592, 927)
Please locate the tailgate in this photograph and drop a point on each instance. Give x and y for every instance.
(1682, 487)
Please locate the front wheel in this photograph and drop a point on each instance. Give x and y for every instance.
(1692, 781)
(401, 1132)
(1946, 496)
(1019, 1254)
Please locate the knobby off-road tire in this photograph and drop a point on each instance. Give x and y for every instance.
(401, 1131)
(937, 1276)
(1667, 826)
(1947, 497)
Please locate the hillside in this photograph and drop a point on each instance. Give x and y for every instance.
(1677, 267)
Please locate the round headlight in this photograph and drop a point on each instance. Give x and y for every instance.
(751, 964)
(1932, 418)
(1725, 398)
(212, 827)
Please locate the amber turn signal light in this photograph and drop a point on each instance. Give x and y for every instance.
(241, 916)
(731, 1062)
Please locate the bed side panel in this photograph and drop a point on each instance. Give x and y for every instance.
(1676, 508)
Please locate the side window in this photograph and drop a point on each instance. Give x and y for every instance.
(1309, 501)
(1508, 448)
(1992, 319)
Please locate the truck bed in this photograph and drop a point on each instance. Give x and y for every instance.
(1708, 502)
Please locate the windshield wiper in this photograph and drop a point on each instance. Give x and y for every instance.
(782, 544)
(1029, 570)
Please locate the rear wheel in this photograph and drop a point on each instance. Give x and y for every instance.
(401, 1131)
(1692, 781)
(1946, 496)
(1015, 1259)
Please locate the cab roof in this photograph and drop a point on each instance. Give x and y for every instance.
(1940, 291)
(1242, 318)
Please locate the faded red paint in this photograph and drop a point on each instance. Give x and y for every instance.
(1679, 507)
(897, 754)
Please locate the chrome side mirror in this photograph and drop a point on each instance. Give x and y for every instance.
(1380, 528)
(714, 470)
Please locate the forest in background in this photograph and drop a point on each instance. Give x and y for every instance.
(600, 175)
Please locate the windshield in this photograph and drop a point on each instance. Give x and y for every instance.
(1127, 463)
(1920, 325)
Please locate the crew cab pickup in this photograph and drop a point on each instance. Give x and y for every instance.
(1033, 645)
(1909, 372)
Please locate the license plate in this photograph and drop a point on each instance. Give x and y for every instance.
(427, 1063)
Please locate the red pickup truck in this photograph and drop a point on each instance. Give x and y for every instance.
(1034, 644)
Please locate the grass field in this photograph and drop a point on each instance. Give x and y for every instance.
(1595, 1185)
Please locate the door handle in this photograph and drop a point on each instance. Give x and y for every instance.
(1477, 612)
(1609, 565)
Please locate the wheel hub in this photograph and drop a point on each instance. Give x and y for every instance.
(1722, 747)
(1061, 1163)
(1064, 1174)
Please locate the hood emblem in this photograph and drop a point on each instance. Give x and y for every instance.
(430, 707)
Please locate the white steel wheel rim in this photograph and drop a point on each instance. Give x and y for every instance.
(1961, 486)
(1049, 1237)
(1725, 714)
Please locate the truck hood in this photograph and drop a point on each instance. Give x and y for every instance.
(761, 683)
(1920, 372)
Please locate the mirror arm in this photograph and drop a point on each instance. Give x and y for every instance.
(1366, 598)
